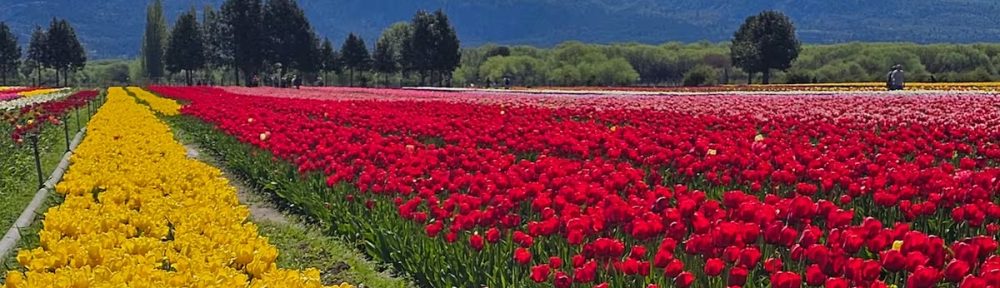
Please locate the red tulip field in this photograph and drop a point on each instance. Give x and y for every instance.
(503, 189)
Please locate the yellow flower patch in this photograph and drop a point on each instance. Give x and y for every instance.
(162, 105)
(38, 92)
(139, 213)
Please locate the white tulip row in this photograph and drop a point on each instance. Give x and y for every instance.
(28, 101)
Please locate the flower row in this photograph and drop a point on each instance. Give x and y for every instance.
(139, 213)
(163, 106)
(28, 119)
(36, 96)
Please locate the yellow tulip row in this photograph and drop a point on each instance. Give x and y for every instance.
(40, 92)
(139, 213)
(167, 107)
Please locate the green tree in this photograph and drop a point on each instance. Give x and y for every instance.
(701, 75)
(117, 74)
(244, 18)
(420, 50)
(64, 50)
(186, 49)
(328, 60)
(398, 35)
(765, 42)
(355, 55)
(744, 51)
(614, 72)
(38, 53)
(218, 41)
(497, 51)
(153, 41)
(524, 70)
(384, 58)
(10, 53)
(447, 52)
(289, 38)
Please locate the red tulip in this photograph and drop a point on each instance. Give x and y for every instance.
(972, 282)
(773, 265)
(956, 270)
(522, 256)
(815, 275)
(555, 262)
(562, 281)
(738, 276)
(892, 260)
(493, 235)
(684, 280)
(835, 282)
(714, 266)
(540, 273)
(923, 277)
(476, 242)
(783, 279)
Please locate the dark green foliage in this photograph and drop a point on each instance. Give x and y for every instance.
(497, 51)
(289, 38)
(420, 47)
(764, 42)
(798, 77)
(153, 41)
(701, 75)
(433, 48)
(63, 50)
(447, 55)
(244, 18)
(355, 56)
(10, 53)
(186, 49)
(328, 59)
(383, 59)
(116, 74)
(218, 40)
(38, 53)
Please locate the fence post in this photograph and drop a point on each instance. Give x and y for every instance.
(38, 162)
(77, 118)
(66, 131)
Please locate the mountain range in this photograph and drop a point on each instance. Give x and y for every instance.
(113, 28)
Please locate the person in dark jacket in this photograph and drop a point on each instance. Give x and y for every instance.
(895, 80)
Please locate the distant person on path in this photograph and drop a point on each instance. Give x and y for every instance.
(895, 79)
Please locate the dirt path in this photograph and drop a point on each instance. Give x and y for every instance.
(260, 208)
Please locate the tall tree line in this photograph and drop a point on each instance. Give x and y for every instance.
(267, 41)
(57, 48)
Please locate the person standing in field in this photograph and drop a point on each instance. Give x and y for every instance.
(895, 79)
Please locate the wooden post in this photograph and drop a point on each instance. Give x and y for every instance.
(66, 131)
(38, 162)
